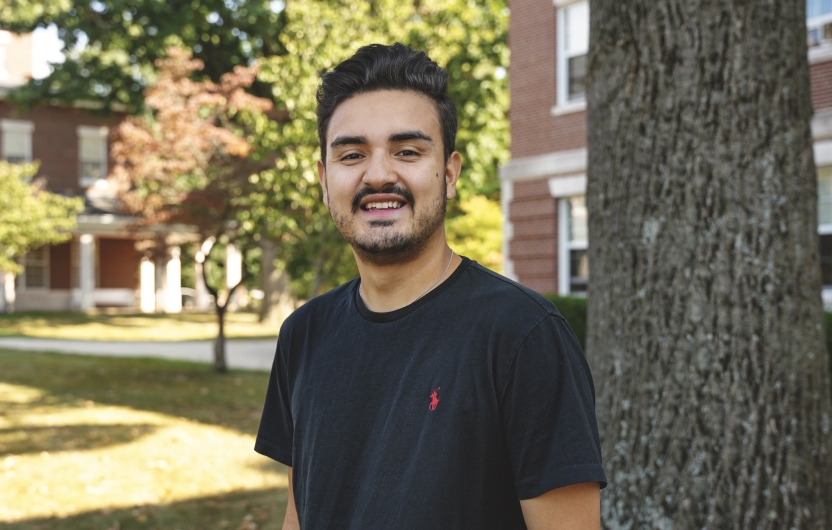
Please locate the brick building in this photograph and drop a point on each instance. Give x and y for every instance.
(544, 183)
(105, 263)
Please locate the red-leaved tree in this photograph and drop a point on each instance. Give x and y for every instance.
(188, 161)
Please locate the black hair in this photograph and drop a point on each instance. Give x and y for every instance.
(379, 67)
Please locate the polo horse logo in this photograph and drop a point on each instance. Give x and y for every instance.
(434, 399)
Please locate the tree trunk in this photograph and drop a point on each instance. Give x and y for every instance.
(219, 343)
(705, 317)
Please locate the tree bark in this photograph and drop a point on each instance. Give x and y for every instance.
(705, 318)
(219, 343)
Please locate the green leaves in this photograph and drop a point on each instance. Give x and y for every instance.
(125, 37)
(292, 47)
(30, 217)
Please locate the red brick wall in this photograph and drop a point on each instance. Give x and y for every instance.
(534, 247)
(532, 38)
(55, 141)
(118, 263)
(60, 266)
(821, 75)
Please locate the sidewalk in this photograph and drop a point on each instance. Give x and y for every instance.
(244, 354)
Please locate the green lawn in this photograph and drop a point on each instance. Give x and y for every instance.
(139, 326)
(101, 443)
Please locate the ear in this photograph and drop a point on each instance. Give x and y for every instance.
(452, 170)
(322, 181)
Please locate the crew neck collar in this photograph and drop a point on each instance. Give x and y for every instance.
(390, 316)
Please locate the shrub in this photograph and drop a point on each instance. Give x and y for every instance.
(573, 309)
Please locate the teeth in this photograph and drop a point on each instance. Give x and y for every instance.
(383, 205)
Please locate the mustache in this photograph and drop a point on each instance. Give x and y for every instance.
(392, 189)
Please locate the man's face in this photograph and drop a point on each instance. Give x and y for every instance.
(385, 180)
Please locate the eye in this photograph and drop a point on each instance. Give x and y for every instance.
(349, 156)
(408, 152)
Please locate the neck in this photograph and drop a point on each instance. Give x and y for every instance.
(392, 286)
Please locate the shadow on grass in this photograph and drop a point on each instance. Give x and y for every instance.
(20, 440)
(176, 388)
(245, 510)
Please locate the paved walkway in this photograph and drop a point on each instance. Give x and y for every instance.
(255, 354)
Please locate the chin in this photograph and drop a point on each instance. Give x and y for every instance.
(397, 249)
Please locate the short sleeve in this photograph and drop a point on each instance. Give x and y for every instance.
(548, 411)
(276, 432)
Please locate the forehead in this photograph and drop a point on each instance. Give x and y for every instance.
(380, 113)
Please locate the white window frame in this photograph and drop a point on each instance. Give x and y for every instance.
(47, 264)
(824, 51)
(563, 104)
(93, 133)
(565, 246)
(22, 127)
(825, 229)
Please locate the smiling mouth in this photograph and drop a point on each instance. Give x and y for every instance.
(385, 205)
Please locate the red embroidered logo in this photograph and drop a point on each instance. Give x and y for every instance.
(434, 399)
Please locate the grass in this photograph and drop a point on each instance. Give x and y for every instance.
(130, 327)
(118, 444)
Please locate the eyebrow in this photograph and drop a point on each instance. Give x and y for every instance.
(410, 135)
(398, 137)
(348, 140)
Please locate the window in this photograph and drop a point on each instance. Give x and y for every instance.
(573, 45)
(92, 154)
(16, 136)
(819, 23)
(35, 269)
(825, 223)
(574, 261)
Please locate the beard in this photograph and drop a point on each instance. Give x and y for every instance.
(385, 245)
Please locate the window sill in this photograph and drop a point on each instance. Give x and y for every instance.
(568, 108)
(87, 183)
(820, 54)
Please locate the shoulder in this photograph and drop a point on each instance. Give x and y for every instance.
(319, 310)
(505, 298)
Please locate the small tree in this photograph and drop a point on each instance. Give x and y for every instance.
(29, 216)
(189, 161)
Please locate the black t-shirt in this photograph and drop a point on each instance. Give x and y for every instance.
(439, 415)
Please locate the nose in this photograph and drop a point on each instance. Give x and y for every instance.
(380, 172)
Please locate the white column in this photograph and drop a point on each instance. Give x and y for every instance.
(173, 281)
(233, 266)
(202, 298)
(87, 272)
(233, 272)
(7, 292)
(147, 286)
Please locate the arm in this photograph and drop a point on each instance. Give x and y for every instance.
(290, 522)
(575, 507)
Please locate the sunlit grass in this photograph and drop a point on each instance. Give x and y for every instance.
(132, 443)
(131, 327)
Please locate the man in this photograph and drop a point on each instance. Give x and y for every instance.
(430, 392)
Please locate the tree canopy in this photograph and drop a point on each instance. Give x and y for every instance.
(123, 38)
(293, 44)
(29, 216)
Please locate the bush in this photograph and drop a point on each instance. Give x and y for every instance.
(573, 309)
(827, 327)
